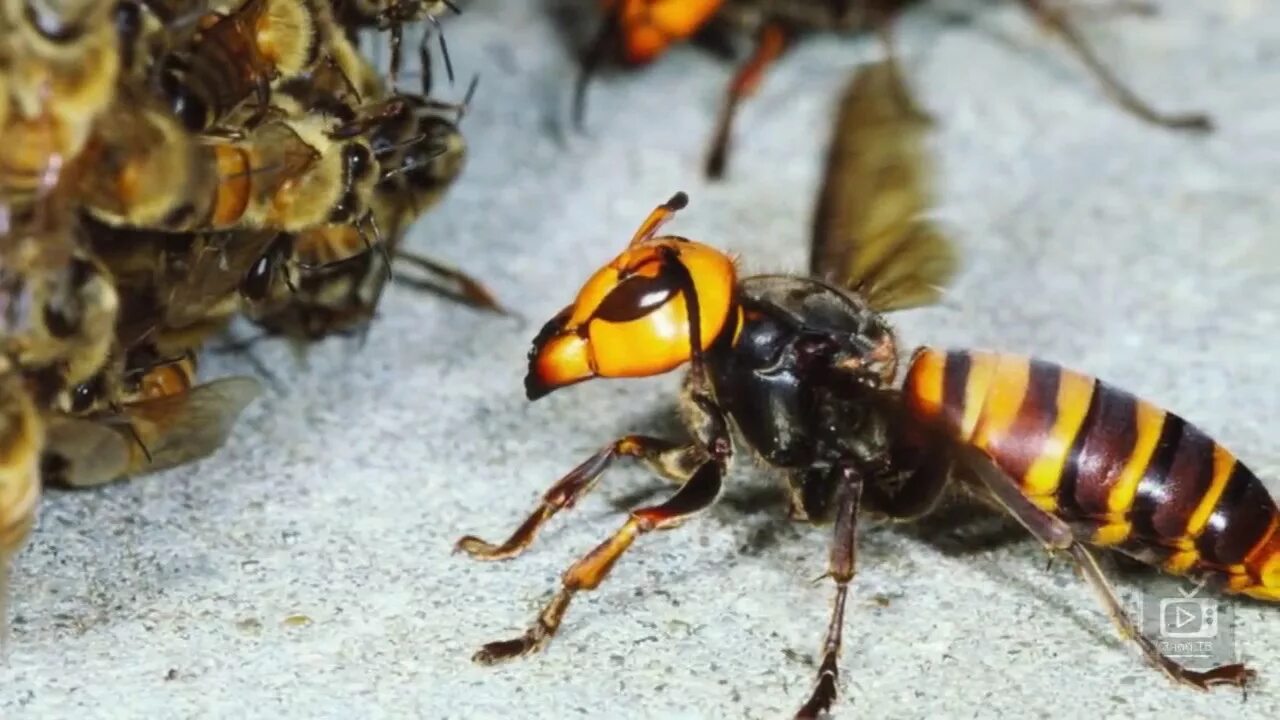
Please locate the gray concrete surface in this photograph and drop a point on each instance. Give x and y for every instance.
(305, 571)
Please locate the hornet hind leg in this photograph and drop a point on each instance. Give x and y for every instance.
(1057, 535)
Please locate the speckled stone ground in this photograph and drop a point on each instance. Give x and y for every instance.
(305, 571)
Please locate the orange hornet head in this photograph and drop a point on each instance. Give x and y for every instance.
(633, 317)
(646, 28)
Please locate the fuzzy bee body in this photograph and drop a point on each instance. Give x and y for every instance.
(21, 438)
(236, 56)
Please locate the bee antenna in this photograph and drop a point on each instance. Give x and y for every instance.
(332, 62)
(400, 145)
(377, 245)
(408, 167)
(449, 4)
(466, 99)
(444, 49)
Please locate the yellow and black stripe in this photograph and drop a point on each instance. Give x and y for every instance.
(1125, 473)
(21, 441)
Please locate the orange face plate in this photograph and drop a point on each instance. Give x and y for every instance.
(649, 27)
(631, 318)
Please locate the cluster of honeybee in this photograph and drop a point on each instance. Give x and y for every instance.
(167, 165)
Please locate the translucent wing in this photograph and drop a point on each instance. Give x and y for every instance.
(869, 232)
(146, 437)
(181, 428)
(209, 274)
(82, 453)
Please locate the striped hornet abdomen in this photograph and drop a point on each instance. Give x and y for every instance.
(1081, 462)
(1124, 473)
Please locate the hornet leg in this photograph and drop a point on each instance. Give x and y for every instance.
(604, 41)
(769, 46)
(668, 459)
(699, 493)
(1057, 535)
(1057, 22)
(840, 568)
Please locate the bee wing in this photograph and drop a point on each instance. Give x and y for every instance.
(178, 429)
(211, 273)
(869, 232)
(82, 453)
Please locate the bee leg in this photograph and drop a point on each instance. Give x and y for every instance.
(699, 493)
(1141, 8)
(1057, 535)
(769, 46)
(425, 66)
(262, 93)
(671, 460)
(1057, 22)
(840, 568)
(469, 290)
(423, 51)
(397, 37)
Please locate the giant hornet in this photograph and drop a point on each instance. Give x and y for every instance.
(635, 32)
(802, 373)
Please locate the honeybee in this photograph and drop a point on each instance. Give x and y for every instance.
(638, 31)
(237, 56)
(391, 16)
(139, 417)
(339, 283)
(287, 174)
(340, 275)
(60, 307)
(60, 62)
(334, 188)
(339, 290)
(178, 289)
(23, 441)
(142, 168)
(149, 29)
(338, 85)
(422, 151)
